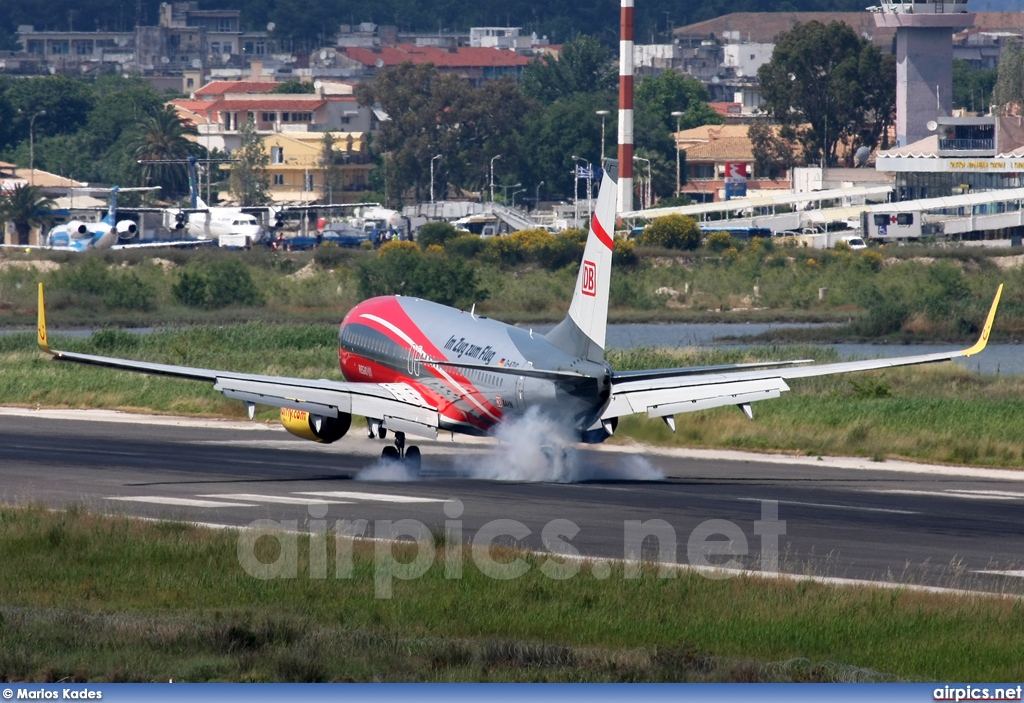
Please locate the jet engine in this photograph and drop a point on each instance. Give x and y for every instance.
(179, 220)
(316, 428)
(76, 228)
(126, 229)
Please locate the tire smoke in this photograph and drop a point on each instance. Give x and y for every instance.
(537, 448)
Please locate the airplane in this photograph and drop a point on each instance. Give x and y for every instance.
(79, 236)
(236, 227)
(414, 367)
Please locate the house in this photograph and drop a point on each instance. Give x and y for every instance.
(219, 108)
(297, 173)
(475, 64)
(708, 151)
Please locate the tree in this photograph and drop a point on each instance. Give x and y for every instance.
(334, 182)
(294, 86)
(972, 87)
(250, 181)
(165, 136)
(829, 84)
(773, 152)
(583, 66)
(432, 114)
(1008, 95)
(26, 207)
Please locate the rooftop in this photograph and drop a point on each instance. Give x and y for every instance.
(460, 57)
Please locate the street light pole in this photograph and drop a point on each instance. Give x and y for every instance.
(32, 146)
(514, 192)
(434, 158)
(504, 190)
(603, 114)
(536, 196)
(493, 159)
(678, 115)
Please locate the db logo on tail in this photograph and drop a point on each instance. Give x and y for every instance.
(589, 278)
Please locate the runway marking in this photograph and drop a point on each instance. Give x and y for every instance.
(1019, 573)
(377, 497)
(287, 500)
(1008, 494)
(969, 495)
(187, 502)
(862, 508)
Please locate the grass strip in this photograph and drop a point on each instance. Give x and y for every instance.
(88, 597)
(939, 413)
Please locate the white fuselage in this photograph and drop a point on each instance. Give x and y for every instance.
(229, 226)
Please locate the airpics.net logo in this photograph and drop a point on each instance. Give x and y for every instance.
(589, 279)
(714, 548)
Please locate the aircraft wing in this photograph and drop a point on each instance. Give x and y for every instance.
(662, 393)
(397, 405)
(164, 245)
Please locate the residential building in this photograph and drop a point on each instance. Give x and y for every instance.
(476, 64)
(219, 108)
(708, 150)
(296, 167)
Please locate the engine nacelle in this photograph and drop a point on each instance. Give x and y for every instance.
(126, 229)
(602, 431)
(316, 428)
(179, 220)
(76, 228)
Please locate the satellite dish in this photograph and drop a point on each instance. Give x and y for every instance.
(323, 54)
(861, 156)
(197, 63)
(165, 59)
(379, 63)
(932, 125)
(270, 26)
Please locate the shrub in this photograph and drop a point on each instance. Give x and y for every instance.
(129, 292)
(436, 233)
(672, 232)
(403, 270)
(217, 285)
(465, 246)
(718, 241)
(87, 275)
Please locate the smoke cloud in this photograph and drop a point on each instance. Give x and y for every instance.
(536, 448)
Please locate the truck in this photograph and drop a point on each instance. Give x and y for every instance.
(891, 225)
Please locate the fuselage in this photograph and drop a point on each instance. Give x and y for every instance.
(224, 222)
(387, 339)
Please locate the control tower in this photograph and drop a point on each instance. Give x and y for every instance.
(924, 60)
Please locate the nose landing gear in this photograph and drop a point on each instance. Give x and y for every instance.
(410, 456)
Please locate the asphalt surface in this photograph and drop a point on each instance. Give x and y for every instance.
(943, 527)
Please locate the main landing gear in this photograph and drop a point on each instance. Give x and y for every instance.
(410, 456)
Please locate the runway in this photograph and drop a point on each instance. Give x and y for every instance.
(945, 527)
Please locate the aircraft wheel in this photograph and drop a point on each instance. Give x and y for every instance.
(390, 454)
(413, 459)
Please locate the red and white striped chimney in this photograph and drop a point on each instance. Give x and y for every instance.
(626, 109)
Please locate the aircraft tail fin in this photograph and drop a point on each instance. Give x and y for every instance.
(111, 217)
(193, 185)
(582, 332)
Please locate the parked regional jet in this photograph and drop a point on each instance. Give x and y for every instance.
(86, 236)
(416, 367)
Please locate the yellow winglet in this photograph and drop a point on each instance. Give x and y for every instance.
(987, 329)
(41, 340)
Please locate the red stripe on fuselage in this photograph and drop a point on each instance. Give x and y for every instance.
(389, 308)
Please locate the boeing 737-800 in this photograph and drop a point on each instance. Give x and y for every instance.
(414, 367)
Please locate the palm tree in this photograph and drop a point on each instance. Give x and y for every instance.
(165, 136)
(26, 206)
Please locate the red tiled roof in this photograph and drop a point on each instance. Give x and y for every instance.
(270, 103)
(727, 109)
(462, 57)
(221, 87)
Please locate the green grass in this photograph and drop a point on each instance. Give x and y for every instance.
(88, 597)
(939, 413)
